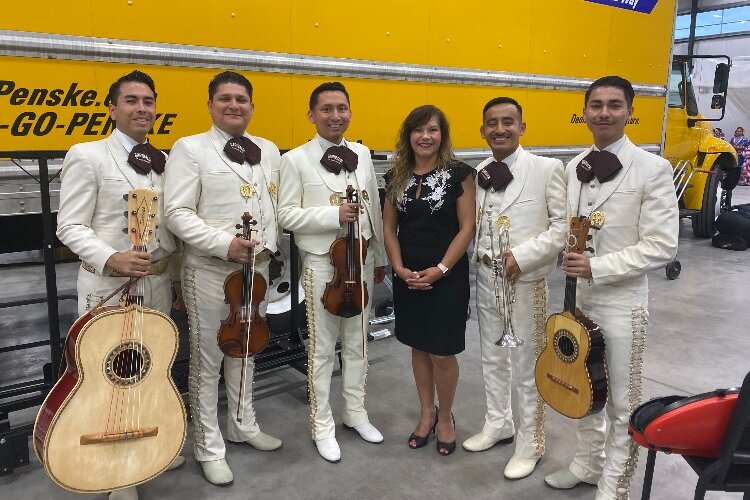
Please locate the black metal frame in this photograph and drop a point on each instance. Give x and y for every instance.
(13, 441)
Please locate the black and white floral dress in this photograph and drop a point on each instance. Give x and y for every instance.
(432, 321)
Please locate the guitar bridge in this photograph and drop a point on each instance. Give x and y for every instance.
(110, 437)
(562, 383)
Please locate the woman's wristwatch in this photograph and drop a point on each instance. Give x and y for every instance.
(443, 268)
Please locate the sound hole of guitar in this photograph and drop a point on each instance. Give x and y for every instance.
(127, 364)
(566, 346)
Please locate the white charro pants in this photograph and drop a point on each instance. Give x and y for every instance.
(608, 454)
(203, 291)
(324, 329)
(157, 290)
(505, 368)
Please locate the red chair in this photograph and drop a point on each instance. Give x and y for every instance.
(711, 431)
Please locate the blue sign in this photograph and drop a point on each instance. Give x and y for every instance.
(644, 6)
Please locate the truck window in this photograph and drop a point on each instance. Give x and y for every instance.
(692, 103)
(674, 98)
(677, 96)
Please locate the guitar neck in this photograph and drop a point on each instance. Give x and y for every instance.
(570, 294)
(135, 291)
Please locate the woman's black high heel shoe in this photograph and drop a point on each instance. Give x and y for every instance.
(445, 449)
(416, 442)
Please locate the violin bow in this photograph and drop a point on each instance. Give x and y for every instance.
(250, 275)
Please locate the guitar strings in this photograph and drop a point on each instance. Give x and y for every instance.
(130, 362)
(139, 361)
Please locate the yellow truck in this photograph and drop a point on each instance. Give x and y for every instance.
(56, 65)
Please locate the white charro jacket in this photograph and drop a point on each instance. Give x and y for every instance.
(203, 202)
(95, 177)
(535, 203)
(305, 206)
(641, 218)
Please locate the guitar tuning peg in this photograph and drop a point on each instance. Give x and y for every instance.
(125, 197)
(238, 226)
(156, 226)
(590, 249)
(125, 230)
(125, 214)
(589, 237)
(238, 235)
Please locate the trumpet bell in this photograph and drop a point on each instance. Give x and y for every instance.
(509, 339)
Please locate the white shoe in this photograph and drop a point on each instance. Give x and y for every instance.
(564, 480)
(482, 442)
(217, 472)
(367, 431)
(262, 442)
(329, 449)
(124, 494)
(178, 462)
(519, 467)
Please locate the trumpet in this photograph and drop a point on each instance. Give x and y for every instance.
(505, 293)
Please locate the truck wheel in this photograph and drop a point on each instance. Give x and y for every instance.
(673, 270)
(384, 308)
(704, 222)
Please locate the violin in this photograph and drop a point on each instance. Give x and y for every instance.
(346, 295)
(244, 333)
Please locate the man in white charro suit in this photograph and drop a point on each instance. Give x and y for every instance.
(526, 192)
(314, 178)
(632, 191)
(213, 179)
(95, 177)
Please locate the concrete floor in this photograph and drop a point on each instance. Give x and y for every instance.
(697, 341)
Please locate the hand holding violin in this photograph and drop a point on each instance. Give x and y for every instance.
(241, 250)
(348, 212)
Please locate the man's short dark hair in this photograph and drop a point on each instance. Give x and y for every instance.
(503, 100)
(229, 77)
(612, 81)
(133, 76)
(327, 87)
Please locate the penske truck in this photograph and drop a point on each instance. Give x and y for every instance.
(56, 66)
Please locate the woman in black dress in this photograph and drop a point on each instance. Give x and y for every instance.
(428, 221)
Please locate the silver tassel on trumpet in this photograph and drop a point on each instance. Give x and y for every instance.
(504, 291)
